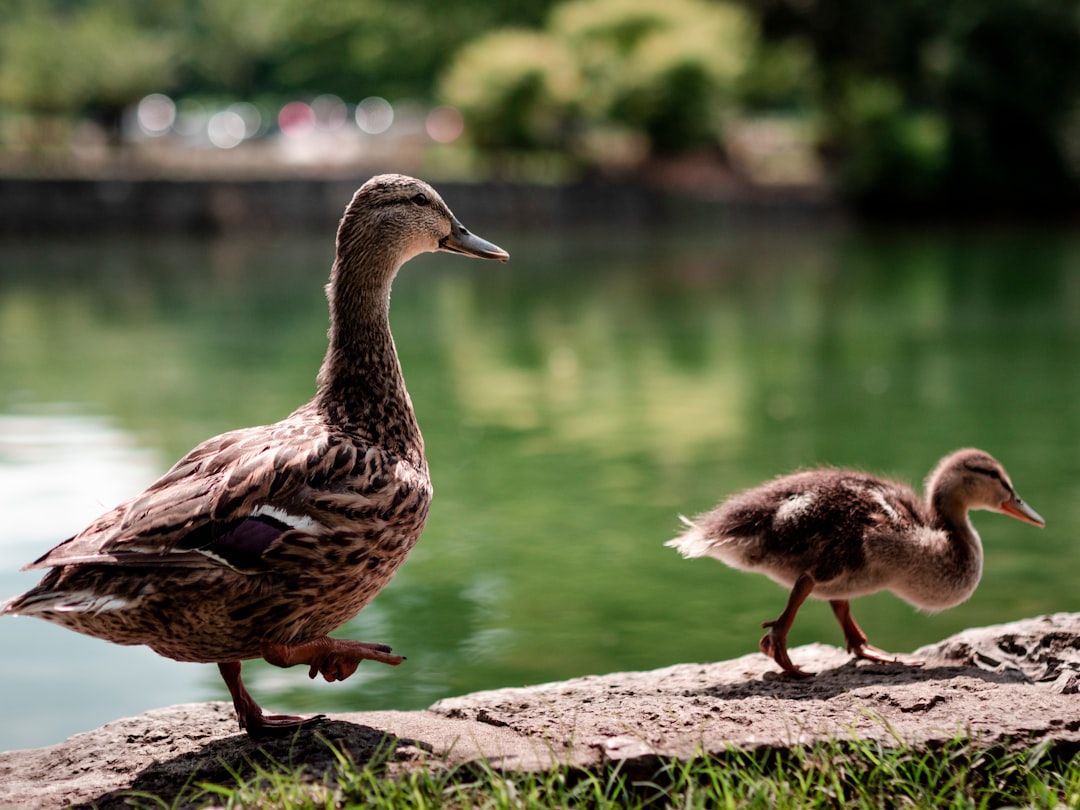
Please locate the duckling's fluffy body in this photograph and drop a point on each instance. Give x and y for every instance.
(261, 541)
(854, 533)
(839, 534)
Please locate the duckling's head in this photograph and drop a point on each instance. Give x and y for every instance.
(393, 218)
(973, 479)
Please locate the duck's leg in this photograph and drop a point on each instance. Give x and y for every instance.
(335, 658)
(774, 643)
(250, 716)
(855, 637)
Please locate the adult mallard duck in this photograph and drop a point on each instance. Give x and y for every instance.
(261, 541)
(837, 534)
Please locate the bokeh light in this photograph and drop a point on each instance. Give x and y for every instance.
(156, 114)
(330, 112)
(374, 115)
(444, 124)
(191, 118)
(296, 119)
(252, 118)
(226, 129)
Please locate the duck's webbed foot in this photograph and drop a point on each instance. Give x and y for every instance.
(774, 643)
(251, 717)
(856, 641)
(334, 658)
(872, 653)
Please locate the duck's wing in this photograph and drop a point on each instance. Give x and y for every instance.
(892, 507)
(224, 503)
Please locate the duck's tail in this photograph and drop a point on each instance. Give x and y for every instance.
(40, 601)
(693, 542)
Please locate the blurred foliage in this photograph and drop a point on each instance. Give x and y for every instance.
(881, 144)
(519, 90)
(665, 71)
(81, 56)
(353, 48)
(74, 56)
(918, 105)
(966, 105)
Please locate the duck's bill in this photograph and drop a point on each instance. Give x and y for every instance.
(1015, 507)
(459, 240)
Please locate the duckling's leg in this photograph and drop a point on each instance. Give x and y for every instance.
(250, 716)
(855, 637)
(774, 643)
(335, 658)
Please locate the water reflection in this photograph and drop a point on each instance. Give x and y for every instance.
(573, 403)
(60, 469)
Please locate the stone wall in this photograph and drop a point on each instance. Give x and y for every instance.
(50, 206)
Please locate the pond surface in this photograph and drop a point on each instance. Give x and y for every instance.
(574, 402)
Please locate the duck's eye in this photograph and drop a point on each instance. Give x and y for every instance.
(421, 199)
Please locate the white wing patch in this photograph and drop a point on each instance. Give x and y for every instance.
(886, 507)
(300, 522)
(793, 507)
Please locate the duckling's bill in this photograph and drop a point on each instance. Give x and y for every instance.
(459, 240)
(1015, 507)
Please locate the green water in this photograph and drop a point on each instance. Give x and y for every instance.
(574, 402)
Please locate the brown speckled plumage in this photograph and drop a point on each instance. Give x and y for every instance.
(261, 541)
(838, 534)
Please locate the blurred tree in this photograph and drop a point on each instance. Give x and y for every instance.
(958, 106)
(80, 58)
(352, 48)
(976, 97)
(73, 56)
(518, 89)
(780, 77)
(231, 47)
(667, 71)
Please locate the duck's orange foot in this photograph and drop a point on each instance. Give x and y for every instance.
(251, 717)
(856, 642)
(334, 658)
(774, 645)
(259, 725)
(872, 653)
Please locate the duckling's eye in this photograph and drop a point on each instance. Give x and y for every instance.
(421, 199)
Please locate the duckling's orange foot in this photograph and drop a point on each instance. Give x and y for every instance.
(774, 645)
(334, 658)
(872, 653)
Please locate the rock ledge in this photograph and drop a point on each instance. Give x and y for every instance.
(1013, 685)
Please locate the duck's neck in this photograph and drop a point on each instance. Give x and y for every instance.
(949, 562)
(950, 515)
(360, 384)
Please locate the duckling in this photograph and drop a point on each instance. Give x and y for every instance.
(838, 534)
(261, 541)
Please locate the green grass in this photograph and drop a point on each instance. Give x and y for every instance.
(849, 775)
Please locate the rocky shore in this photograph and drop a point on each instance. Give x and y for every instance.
(1014, 685)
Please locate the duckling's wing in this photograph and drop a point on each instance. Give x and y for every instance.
(224, 503)
(892, 507)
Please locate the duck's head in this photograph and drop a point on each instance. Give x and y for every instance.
(400, 217)
(973, 479)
